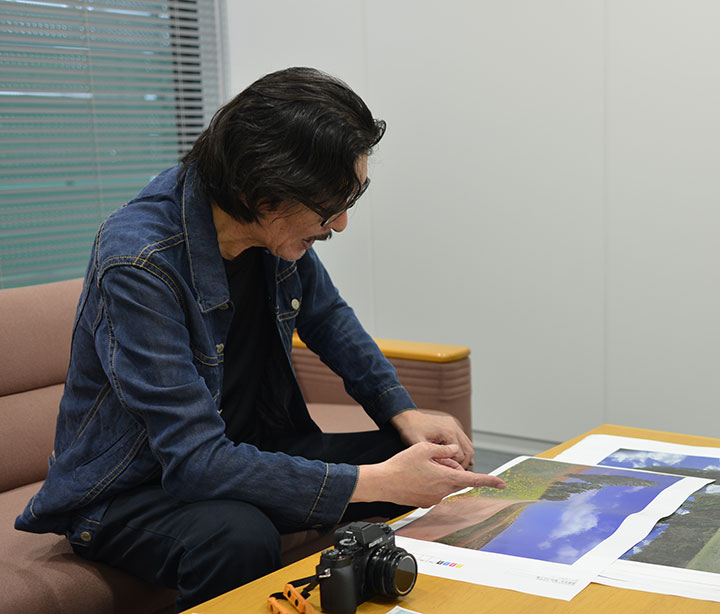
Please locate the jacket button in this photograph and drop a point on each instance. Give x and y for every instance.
(295, 304)
(219, 348)
(85, 536)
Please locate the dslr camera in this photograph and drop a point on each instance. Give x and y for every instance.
(365, 562)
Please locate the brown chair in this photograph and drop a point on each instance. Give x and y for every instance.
(40, 573)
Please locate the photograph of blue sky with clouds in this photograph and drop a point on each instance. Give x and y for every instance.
(551, 511)
(689, 538)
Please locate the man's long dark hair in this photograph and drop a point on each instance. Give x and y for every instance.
(294, 135)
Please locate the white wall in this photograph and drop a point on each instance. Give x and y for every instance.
(663, 215)
(547, 193)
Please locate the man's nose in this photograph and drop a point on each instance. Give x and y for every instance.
(339, 224)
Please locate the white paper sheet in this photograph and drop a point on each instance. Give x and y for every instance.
(677, 565)
(554, 528)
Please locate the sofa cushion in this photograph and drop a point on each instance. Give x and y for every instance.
(35, 335)
(28, 430)
(341, 418)
(41, 573)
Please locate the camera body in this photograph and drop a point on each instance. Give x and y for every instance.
(365, 562)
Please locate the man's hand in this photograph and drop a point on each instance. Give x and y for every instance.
(415, 426)
(419, 476)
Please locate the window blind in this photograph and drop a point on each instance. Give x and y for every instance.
(96, 97)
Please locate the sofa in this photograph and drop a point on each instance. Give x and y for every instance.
(40, 573)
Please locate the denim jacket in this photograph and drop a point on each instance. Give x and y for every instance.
(143, 390)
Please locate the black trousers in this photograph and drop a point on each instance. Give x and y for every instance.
(206, 548)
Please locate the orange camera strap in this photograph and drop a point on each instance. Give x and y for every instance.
(297, 598)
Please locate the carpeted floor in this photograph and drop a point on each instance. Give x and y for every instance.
(488, 460)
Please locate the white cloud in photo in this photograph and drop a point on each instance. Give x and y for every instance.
(638, 458)
(639, 546)
(578, 517)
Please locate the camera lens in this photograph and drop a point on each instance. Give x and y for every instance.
(405, 574)
(391, 571)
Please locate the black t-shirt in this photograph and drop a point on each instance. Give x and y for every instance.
(256, 382)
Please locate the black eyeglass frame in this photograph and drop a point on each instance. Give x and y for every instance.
(330, 219)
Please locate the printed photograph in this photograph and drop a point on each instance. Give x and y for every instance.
(551, 511)
(689, 538)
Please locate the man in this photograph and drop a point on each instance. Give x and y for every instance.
(183, 446)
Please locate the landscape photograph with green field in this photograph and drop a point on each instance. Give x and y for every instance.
(689, 538)
(550, 510)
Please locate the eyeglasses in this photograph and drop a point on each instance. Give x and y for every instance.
(350, 204)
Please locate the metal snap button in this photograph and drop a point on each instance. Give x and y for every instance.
(219, 348)
(295, 304)
(85, 536)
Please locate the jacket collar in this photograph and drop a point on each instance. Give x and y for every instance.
(206, 265)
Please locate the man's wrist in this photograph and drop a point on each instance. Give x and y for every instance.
(402, 415)
(370, 483)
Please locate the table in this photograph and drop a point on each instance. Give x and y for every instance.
(433, 595)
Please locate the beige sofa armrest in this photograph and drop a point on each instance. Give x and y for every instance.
(437, 376)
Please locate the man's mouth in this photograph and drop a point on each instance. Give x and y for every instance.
(307, 243)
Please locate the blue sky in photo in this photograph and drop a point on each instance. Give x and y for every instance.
(642, 458)
(562, 531)
(637, 459)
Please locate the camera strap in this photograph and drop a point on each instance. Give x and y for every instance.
(297, 598)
